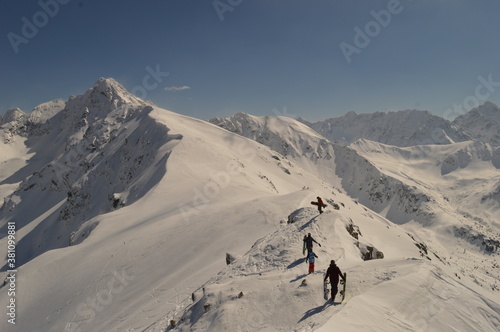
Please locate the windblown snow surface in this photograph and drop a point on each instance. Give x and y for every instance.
(125, 213)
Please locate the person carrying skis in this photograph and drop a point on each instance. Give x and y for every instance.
(310, 259)
(320, 205)
(333, 273)
(308, 243)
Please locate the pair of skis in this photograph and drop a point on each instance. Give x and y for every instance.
(342, 291)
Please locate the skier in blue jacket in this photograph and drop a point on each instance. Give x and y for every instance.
(310, 259)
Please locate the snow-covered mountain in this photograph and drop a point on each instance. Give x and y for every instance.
(458, 185)
(401, 128)
(482, 123)
(98, 161)
(125, 214)
(419, 187)
(342, 166)
(290, 138)
(413, 183)
(16, 122)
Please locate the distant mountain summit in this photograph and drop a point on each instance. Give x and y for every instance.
(106, 95)
(14, 114)
(282, 134)
(16, 122)
(482, 123)
(90, 155)
(401, 128)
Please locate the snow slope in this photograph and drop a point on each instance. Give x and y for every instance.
(455, 219)
(292, 139)
(268, 288)
(125, 210)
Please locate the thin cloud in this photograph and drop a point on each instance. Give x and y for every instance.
(178, 88)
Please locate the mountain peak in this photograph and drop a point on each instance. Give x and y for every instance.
(489, 105)
(399, 128)
(351, 114)
(112, 91)
(14, 114)
(108, 84)
(45, 111)
(482, 122)
(105, 96)
(488, 110)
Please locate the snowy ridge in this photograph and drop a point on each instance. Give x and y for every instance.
(45, 111)
(401, 128)
(282, 134)
(268, 288)
(292, 139)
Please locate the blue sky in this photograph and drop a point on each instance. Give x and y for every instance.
(314, 59)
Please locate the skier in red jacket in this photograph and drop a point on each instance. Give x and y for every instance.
(333, 273)
(320, 204)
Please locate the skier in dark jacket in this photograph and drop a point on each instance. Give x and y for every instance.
(308, 242)
(333, 273)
